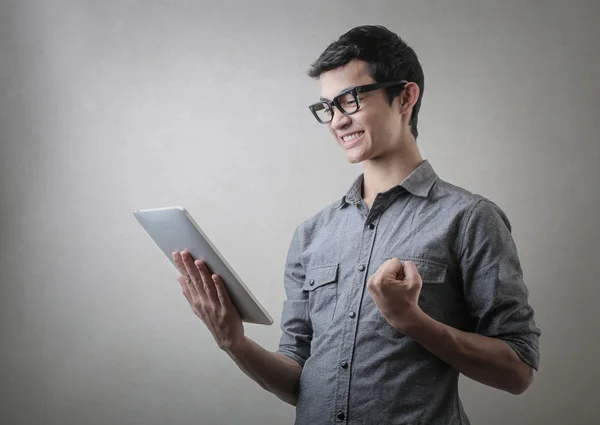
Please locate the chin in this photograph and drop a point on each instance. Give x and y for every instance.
(356, 157)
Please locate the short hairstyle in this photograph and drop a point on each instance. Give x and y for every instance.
(388, 58)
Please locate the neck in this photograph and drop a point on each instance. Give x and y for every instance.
(389, 170)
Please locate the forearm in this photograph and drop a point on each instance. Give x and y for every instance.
(487, 360)
(275, 372)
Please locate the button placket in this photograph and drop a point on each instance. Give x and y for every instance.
(353, 303)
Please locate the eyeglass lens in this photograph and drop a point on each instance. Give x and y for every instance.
(346, 102)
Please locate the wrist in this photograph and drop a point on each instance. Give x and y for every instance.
(412, 323)
(237, 348)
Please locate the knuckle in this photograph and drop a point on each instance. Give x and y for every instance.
(372, 285)
(224, 314)
(210, 310)
(201, 313)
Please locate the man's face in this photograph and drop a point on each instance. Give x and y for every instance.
(376, 128)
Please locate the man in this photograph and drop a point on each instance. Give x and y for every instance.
(396, 288)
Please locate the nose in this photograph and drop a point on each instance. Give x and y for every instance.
(339, 120)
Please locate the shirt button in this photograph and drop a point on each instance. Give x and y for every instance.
(312, 282)
(371, 226)
(344, 364)
(341, 416)
(361, 268)
(352, 314)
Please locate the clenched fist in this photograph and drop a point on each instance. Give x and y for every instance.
(395, 289)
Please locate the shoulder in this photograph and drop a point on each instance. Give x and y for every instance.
(474, 215)
(463, 201)
(318, 220)
(481, 223)
(459, 196)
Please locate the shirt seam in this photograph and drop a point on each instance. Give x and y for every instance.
(465, 226)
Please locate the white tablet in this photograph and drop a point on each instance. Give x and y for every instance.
(173, 229)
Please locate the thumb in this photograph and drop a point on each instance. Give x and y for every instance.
(410, 271)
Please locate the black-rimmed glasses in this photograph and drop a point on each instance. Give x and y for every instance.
(347, 102)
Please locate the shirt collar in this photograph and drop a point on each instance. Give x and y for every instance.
(419, 183)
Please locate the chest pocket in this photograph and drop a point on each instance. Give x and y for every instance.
(321, 286)
(433, 275)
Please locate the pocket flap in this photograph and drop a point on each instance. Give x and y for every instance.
(429, 271)
(319, 276)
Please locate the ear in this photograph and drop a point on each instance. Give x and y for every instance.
(409, 97)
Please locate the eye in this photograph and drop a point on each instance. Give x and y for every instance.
(347, 100)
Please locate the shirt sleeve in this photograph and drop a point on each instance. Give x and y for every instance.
(496, 296)
(295, 320)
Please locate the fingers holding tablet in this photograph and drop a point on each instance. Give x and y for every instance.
(176, 233)
(209, 300)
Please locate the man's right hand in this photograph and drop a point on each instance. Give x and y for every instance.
(210, 301)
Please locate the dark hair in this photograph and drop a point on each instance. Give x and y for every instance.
(388, 58)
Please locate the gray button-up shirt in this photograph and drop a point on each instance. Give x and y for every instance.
(357, 368)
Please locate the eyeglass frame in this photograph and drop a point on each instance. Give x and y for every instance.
(354, 91)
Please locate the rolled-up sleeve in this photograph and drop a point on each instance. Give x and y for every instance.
(295, 321)
(496, 296)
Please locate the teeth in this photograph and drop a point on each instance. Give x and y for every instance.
(352, 136)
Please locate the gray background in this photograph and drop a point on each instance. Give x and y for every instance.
(109, 106)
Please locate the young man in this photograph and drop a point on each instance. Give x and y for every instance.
(397, 287)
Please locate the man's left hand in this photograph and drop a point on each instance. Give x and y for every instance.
(395, 289)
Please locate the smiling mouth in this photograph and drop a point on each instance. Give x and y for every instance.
(353, 136)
